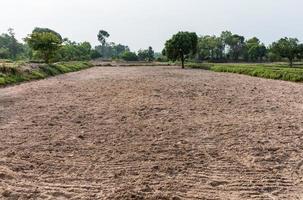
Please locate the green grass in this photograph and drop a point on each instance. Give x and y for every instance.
(277, 71)
(13, 72)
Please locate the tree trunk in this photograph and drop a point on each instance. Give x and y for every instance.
(290, 62)
(46, 57)
(182, 60)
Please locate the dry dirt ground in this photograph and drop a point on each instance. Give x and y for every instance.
(151, 133)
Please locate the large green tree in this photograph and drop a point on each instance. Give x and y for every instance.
(287, 48)
(46, 44)
(180, 46)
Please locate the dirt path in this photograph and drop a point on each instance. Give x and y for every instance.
(151, 133)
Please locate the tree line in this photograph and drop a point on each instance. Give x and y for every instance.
(229, 47)
(48, 45)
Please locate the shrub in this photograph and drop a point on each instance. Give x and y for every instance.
(129, 56)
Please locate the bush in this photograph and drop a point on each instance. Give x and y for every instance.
(129, 56)
(273, 57)
(95, 54)
(8, 69)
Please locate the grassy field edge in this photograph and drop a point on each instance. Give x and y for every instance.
(269, 71)
(13, 74)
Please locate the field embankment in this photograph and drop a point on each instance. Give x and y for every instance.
(270, 71)
(16, 72)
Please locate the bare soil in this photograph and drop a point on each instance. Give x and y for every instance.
(151, 133)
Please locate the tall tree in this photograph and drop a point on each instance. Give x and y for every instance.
(102, 36)
(9, 45)
(14, 45)
(181, 45)
(226, 37)
(236, 46)
(151, 54)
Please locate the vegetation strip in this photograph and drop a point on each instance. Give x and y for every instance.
(48, 46)
(277, 72)
(12, 73)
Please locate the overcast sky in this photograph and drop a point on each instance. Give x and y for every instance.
(143, 23)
